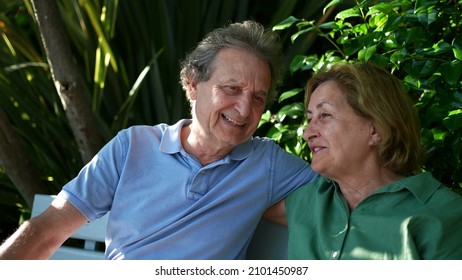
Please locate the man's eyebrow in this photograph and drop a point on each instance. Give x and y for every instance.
(234, 81)
(223, 82)
(262, 92)
(238, 82)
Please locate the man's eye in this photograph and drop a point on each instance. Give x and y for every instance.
(231, 89)
(259, 99)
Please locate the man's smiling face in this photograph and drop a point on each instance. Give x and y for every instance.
(228, 106)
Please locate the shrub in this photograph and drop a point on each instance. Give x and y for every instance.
(418, 41)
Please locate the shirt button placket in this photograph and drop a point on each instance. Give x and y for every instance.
(335, 255)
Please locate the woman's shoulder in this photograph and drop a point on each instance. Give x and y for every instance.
(308, 190)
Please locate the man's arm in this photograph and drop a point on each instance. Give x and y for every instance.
(276, 213)
(42, 235)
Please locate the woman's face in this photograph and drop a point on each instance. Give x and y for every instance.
(341, 141)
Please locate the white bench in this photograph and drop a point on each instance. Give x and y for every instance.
(85, 244)
(268, 243)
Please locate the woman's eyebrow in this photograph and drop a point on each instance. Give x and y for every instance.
(320, 105)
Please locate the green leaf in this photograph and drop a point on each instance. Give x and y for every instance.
(97, 25)
(353, 12)
(392, 23)
(398, 56)
(331, 4)
(265, 118)
(457, 47)
(389, 41)
(288, 22)
(274, 133)
(413, 35)
(360, 29)
(457, 103)
(441, 47)
(438, 134)
(366, 53)
(352, 46)
(297, 63)
(385, 8)
(424, 5)
(451, 72)
(427, 18)
(423, 68)
(302, 62)
(293, 111)
(329, 25)
(454, 120)
(301, 32)
(289, 94)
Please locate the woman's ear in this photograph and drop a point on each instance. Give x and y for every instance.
(375, 137)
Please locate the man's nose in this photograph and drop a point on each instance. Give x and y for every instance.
(244, 104)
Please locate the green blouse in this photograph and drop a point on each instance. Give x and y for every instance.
(415, 218)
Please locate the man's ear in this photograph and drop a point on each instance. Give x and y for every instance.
(192, 88)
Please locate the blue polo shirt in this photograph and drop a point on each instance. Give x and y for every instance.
(165, 205)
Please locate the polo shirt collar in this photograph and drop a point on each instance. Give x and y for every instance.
(422, 186)
(171, 142)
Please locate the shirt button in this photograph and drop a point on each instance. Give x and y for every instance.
(335, 254)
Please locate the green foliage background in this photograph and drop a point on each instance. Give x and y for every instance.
(128, 54)
(418, 41)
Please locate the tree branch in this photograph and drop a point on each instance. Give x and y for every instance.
(68, 81)
(17, 163)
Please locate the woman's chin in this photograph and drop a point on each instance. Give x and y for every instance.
(317, 167)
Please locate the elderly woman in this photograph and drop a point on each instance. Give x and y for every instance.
(370, 203)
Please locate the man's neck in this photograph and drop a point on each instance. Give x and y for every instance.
(204, 151)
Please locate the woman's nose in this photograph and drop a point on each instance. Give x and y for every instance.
(310, 131)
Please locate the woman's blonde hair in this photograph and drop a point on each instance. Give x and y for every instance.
(375, 94)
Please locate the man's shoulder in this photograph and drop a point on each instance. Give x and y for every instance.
(141, 131)
(145, 128)
(264, 141)
(157, 129)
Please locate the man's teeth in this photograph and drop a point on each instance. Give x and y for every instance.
(232, 121)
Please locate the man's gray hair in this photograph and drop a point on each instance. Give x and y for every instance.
(249, 36)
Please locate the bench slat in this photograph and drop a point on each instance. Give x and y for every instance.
(269, 241)
(90, 233)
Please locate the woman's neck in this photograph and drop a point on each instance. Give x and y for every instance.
(356, 189)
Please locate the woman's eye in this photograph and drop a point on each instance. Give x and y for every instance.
(324, 115)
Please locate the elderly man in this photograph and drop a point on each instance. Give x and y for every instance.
(192, 190)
